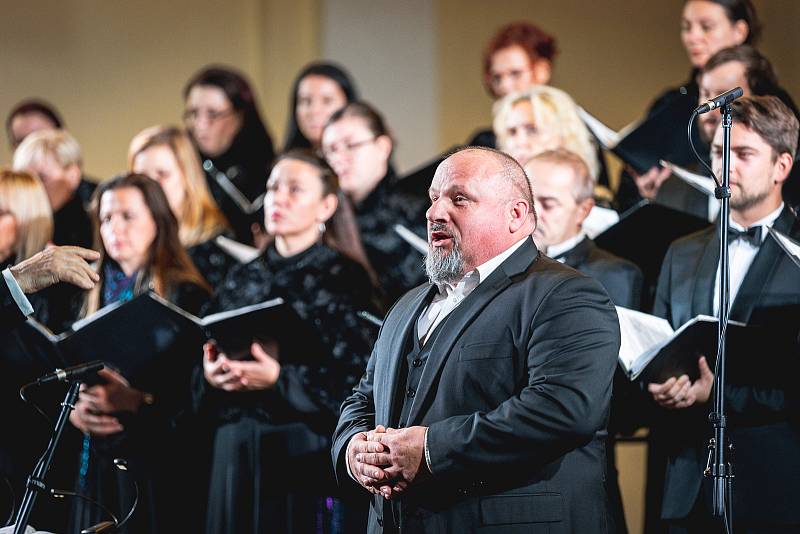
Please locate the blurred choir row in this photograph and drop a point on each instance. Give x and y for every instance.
(210, 216)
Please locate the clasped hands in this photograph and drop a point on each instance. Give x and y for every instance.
(681, 392)
(96, 406)
(227, 374)
(386, 461)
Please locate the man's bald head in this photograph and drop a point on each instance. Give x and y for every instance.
(499, 166)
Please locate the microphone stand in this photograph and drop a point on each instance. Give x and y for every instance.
(36, 483)
(720, 464)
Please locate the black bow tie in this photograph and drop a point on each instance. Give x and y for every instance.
(752, 234)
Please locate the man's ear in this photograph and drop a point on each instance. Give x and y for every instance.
(782, 167)
(519, 214)
(584, 208)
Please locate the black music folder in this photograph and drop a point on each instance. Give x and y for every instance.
(148, 337)
(643, 144)
(652, 352)
(645, 231)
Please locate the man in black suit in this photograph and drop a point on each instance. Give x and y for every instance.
(760, 394)
(48, 267)
(563, 188)
(485, 400)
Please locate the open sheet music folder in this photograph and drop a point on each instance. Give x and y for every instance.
(651, 351)
(642, 144)
(149, 336)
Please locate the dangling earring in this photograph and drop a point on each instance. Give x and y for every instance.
(322, 227)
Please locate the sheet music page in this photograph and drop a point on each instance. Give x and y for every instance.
(599, 220)
(411, 238)
(640, 333)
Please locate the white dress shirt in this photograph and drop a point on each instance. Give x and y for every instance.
(741, 254)
(17, 293)
(450, 296)
(565, 246)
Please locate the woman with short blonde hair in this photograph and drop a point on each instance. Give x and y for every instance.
(540, 119)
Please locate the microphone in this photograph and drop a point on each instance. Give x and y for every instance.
(720, 100)
(71, 373)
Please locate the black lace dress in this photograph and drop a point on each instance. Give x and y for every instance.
(271, 469)
(398, 266)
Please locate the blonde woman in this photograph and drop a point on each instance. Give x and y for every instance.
(539, 119)
(166, 154)
(26, 221)
(54, 156)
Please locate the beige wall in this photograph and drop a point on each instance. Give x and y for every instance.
(114, 68)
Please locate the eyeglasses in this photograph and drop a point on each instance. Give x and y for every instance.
(497, 79)
(191, 116)
(332, 150)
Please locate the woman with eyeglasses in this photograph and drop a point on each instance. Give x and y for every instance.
(222, 118)
(137, 236)
(519, 56)
(272, 419)
(165, 154)
(318, 91)
(357, 144)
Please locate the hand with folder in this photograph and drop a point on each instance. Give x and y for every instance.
(229, 374)
(681, 392)
(649, 182)
(93, 413)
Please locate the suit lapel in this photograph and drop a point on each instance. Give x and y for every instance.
(460, 318)
(760, 272)
(705, 278)
(405, 326)
(578, 254)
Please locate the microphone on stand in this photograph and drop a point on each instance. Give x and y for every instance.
(720, 100)
(71, 373)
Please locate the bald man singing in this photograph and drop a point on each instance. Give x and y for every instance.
(485, 401)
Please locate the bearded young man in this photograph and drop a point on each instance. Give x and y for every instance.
(760, 392)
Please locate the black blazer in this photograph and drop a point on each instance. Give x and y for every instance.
(515, 393)
(621, 278)
(761, 398)
(10, 314)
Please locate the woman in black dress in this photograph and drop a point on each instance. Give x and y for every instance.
(707, 26)
(358, 145)
(318, 91)
(223, 121)
(165, 154)
(272, 420)
(137, 237)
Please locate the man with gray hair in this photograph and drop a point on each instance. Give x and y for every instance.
(563, 189)
(485, 401)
